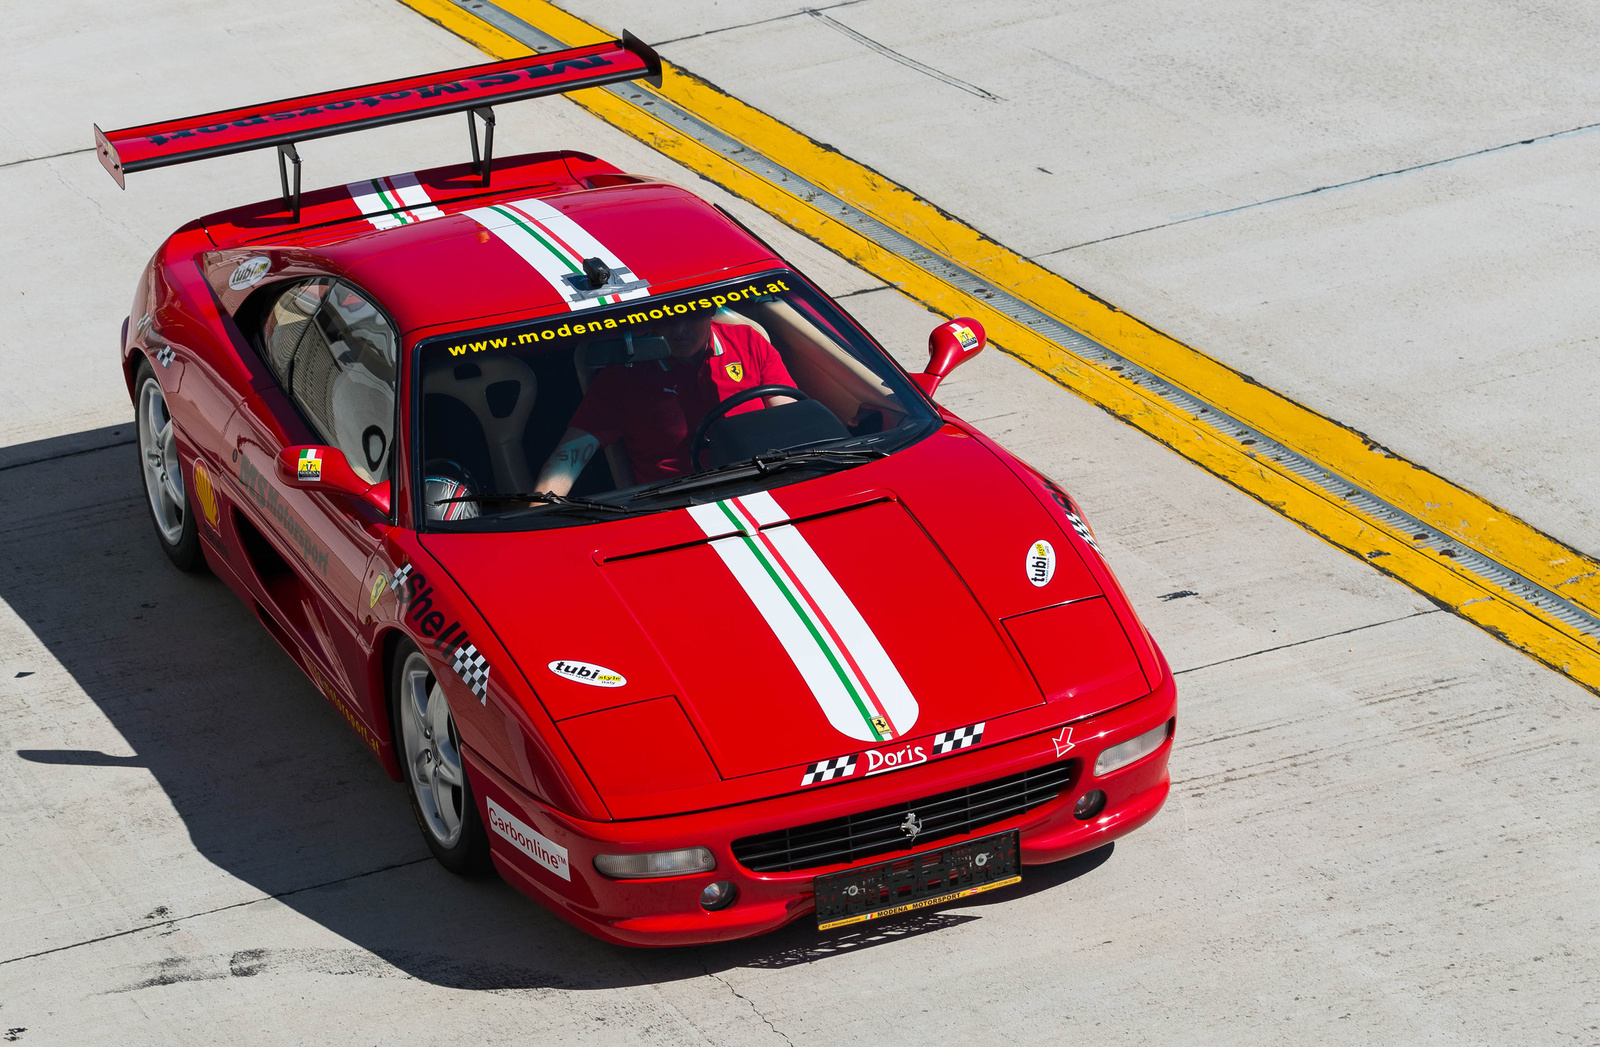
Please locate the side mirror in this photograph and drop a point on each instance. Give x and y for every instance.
(314, 467)
(950, 344)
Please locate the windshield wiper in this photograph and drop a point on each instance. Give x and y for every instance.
(761, 465)
(549, 501)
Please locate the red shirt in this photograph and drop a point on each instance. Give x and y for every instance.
(654, 407)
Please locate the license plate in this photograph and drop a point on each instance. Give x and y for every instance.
(918, 881)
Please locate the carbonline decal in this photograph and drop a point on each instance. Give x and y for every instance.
(586, 672)
(393, 201)
(1041, 563)
(529, 840)
(555, 247)
(837, 654)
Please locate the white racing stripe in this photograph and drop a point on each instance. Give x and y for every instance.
(847, 670)
(393, 201)
(555, 247)
(889, 690)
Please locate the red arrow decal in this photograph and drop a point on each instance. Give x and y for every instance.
(1063, 742)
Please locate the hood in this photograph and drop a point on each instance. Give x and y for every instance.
(783, 627)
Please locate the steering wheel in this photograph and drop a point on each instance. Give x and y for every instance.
(717, 413)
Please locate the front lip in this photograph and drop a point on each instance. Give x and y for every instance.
(666, 911)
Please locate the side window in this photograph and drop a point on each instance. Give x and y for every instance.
(335, 353)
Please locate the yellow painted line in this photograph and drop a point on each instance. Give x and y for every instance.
(1448, 508)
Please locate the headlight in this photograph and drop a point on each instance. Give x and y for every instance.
(658, 863)
(1119, 756)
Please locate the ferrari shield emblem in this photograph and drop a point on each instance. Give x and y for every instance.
(378, 585)
(880, 724)
(736, 372)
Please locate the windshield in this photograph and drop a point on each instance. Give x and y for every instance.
(652, 404)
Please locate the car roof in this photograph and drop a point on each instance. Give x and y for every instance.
(437, 249)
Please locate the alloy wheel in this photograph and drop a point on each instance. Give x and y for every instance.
(432, 751)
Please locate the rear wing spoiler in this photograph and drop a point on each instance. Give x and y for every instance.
(471, 90)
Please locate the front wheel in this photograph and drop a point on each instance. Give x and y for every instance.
(435, 774)
(162, 473)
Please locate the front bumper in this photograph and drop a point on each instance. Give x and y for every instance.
(666, 911)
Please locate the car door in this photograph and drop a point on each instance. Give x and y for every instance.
(333, 354)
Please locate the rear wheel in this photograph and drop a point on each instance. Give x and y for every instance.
(430, 758)
(162, 473)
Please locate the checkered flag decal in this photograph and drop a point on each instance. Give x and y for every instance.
(827, 770)
(1082, 529)
(960, 738)
(399, 579)
(164, 355)
(473, 668)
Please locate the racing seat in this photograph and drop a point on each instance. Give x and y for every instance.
(499, 391)
(617, 454)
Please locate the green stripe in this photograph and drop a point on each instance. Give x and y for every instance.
(388, 202)
(548, 246)
(805, 618)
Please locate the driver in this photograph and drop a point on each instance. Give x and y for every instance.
(654, 407)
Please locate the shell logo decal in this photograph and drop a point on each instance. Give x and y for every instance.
(205, 494)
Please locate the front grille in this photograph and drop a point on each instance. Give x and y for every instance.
(869, 833)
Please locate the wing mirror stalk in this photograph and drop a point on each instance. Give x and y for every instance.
(949, 345)
(314, 467)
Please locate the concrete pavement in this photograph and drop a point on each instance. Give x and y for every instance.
(1383, 824)
(1168, 157)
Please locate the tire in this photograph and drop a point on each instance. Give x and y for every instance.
(428, 749)
(166, 494)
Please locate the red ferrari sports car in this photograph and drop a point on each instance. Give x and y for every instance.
(655, 580)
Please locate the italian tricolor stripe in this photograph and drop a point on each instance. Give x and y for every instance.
(555, 246)
(837, 654)
(393, 201)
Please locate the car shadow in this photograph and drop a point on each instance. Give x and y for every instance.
(274, 789)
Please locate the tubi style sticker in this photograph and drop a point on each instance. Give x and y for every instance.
(584, 672)
(1041, 563)
(249, 272)
(964, 335)
(310, 466)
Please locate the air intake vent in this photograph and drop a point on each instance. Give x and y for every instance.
(876, 832)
